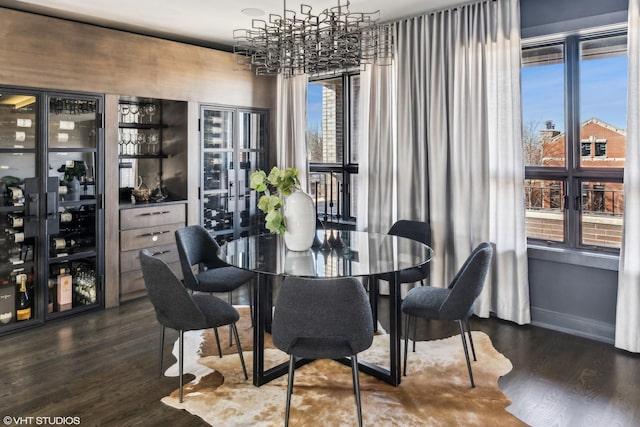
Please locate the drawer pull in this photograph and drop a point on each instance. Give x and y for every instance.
(160, 253)
(154, 213)
(154, 233)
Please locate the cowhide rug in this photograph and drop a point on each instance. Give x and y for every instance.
(435, 392)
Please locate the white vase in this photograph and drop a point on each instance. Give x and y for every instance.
(300, 263)
(300, 220)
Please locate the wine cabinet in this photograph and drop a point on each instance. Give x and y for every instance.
(234, 143)
(51, 261)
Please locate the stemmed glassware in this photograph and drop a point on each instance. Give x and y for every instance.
(140, 140)
(126, 140)
(150, 109)
(153, 141)
(124, 112)
(134, 109)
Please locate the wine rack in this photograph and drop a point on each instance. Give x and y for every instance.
(234, 144)
(51, 258)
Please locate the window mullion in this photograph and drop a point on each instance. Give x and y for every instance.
(572, 76)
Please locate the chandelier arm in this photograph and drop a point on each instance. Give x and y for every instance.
(332, 41)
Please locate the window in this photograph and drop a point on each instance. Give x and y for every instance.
(601, 149)
(332, 135)
(574, 95)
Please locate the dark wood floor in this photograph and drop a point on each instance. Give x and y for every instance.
(103, 368)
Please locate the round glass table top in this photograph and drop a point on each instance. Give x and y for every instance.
(338, 253)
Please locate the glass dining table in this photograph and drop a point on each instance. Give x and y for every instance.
(337, 253)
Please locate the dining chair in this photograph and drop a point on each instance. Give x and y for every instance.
(421, 232)
(414, 230)
(322, 319)
(177, 309)
(452, 303)
(197, 248)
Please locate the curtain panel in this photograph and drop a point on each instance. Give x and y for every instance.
(292, 125)
(457, 153)
(628, 303)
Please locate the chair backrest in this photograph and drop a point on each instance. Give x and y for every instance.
(195, 247)
(323, 309)
(467, 284)
(172, 302)
(416, 230)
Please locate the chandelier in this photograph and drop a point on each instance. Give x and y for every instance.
(333, 41)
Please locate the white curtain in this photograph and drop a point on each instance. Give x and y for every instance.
(459, 151)
(628, 305)
(377, 168)
(292, 125)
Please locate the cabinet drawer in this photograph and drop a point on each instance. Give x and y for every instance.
(151, 216)
(148, 237)
(132, 282)
(130, 260)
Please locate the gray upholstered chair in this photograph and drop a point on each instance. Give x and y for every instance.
(177, 309)
(322, 319)
(415, 230)
(452, 303)
(421, 232)
(196, 247)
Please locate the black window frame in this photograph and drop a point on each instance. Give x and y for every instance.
(573, 174)
(347, 168)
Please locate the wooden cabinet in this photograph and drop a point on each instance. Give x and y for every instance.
(150, 227)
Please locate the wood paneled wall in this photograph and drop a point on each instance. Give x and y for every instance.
(45, 52)
(49, 53)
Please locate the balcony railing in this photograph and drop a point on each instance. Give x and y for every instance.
(607, 202)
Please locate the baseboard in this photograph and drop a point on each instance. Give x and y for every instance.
(574, 325)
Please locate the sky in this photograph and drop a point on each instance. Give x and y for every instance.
(314, 106)
(603, 92)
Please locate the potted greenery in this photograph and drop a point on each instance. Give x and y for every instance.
(277, 185)
(296, 220)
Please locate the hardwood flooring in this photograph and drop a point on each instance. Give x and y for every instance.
(103, 368)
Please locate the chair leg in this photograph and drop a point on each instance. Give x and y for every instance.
(251, 285)
(473, 350)
(231, 304)
(235, 333)
(161, 348)
(406, 342)
(415, 329)
(356, 386)
(466, 352)
(180, 356)
(292, 370)
(215, 331)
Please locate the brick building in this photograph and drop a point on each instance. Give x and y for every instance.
(601, 146)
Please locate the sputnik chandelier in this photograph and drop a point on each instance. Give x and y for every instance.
(332, 41)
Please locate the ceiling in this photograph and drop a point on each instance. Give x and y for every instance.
(203, 22)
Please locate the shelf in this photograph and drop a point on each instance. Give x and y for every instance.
(144, 156)
(142, 126)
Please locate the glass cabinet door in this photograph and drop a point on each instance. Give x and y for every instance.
(19, 296)
(73, 219)
(233, 147)
(50, 241)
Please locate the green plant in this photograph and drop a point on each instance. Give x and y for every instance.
(275, 186)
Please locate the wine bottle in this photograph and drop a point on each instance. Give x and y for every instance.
(15, 220)
(71, 242)
(23, 307)
(79, 216)
(16, 236)
(14, 196)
